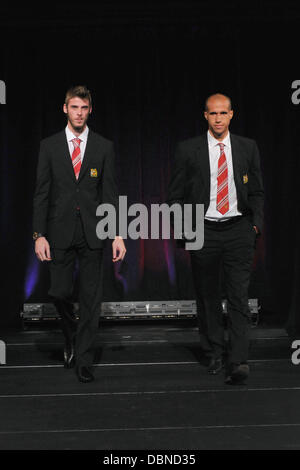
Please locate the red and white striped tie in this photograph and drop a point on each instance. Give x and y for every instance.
(76, 157)
(222, 189)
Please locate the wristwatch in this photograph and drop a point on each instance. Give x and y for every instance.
(37, 235)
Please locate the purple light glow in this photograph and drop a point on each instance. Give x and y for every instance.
(120, 278)
(31, 276)
(169, 257)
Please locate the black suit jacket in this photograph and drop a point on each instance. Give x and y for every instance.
(190, 179)
(58, 193)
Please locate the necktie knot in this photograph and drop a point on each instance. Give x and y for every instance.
(221, 145)
(76, 142)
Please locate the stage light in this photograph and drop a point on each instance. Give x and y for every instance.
(144, 310)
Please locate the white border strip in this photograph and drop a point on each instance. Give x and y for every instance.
(163, 428)
(158, 392)
(128, 341)
(131, 364)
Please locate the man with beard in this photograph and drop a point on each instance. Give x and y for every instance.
(75, 174)
(222, 171)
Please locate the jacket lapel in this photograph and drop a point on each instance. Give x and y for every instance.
(203, 158)
(63, 153)
(237, 161)
(90, 146)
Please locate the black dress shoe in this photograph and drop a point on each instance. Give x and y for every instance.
(84, 374)
(237, 374)
(215, 366)
(69, 354)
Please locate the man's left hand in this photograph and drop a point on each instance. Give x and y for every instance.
(256, 229)
(118, 249)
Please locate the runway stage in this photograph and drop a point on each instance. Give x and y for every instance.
(151, 392)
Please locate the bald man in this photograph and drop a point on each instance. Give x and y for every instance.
(222, 171)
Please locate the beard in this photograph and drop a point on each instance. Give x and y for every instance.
(218, 132)
(77, 127)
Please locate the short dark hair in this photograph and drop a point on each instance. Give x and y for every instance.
(79, 90)
(217, 94)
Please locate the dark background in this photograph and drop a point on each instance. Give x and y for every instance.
(150, 66)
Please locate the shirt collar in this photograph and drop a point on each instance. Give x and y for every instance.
(212, 142)
(83, 136)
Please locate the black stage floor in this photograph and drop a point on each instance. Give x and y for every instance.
(151, 392)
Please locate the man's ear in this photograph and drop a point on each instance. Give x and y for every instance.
(65, 109)
(205, 114)
(90, 110)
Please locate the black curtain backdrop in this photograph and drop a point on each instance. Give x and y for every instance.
(149, 69)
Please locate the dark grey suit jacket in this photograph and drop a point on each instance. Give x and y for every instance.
(58, 193)
(190, 178)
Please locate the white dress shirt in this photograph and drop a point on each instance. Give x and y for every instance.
(83, 137)
(214, 154)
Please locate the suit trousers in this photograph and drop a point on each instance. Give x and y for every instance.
(227, 255)
(62, 269)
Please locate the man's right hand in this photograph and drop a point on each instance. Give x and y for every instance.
(42, 249)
